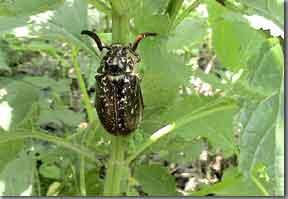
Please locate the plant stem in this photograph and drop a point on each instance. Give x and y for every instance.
(84, 142)
(173, 9)
(82, 177)
(88, 106)
(120, 26)
(115, 167)
(153, 138)
(185, 13)
(259, 185)
(82, 167)
(90, 112)
(114, 175)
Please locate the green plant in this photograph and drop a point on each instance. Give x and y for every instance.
(231, 100)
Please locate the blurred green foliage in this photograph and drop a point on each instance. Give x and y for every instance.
(244, 97)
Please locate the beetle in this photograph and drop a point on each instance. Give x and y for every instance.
(119, 102)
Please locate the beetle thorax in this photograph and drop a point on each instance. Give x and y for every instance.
(118, 60)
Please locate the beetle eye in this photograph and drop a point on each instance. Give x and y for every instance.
(110, 62)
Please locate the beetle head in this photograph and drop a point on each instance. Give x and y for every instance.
(118, 60)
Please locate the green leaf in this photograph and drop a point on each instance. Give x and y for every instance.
(8, 23)
(163, 74)
(279, 148)
(8, 151)
(101, 6)
(45, 82)
(64, 116)
(16, 179)
(132, 192)
(261, 121)
(50, 171)
(233, 39)
(75, 11)
(173, 8)
(155, 180)
(193, 114)
(212, 79)
(16, 105)
(265, 68)
(38, 46)
(54, 189)
(189, 32)
(153, 7)
(152, 23)
(239, 46)
(148, 17)
(257, 140)
(233, 181)
(271, 9)
(189, 118)
(139, 9)
(27, 7)
(5, 138)
(179, 150)
(59, 24)
(3, 60)
(94, 184)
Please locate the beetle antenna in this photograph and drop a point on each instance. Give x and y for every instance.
(95, 37)
(140, 37)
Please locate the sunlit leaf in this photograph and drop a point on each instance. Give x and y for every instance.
(58, 24)
(64, 116)
(27, 7)
(17, 103)
(16, 179)
(257, 141)
(156, 180)
(279, 148)
(233, 39)
(199, 116)
(50, 171)
(232, 182)
(190, 31)
(272, 9)
(8, 23)
(266, 67)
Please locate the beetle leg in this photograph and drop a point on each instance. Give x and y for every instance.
(140, 37)
(95, 37)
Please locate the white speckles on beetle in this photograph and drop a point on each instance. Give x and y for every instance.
(126, 80)
(118, 94)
